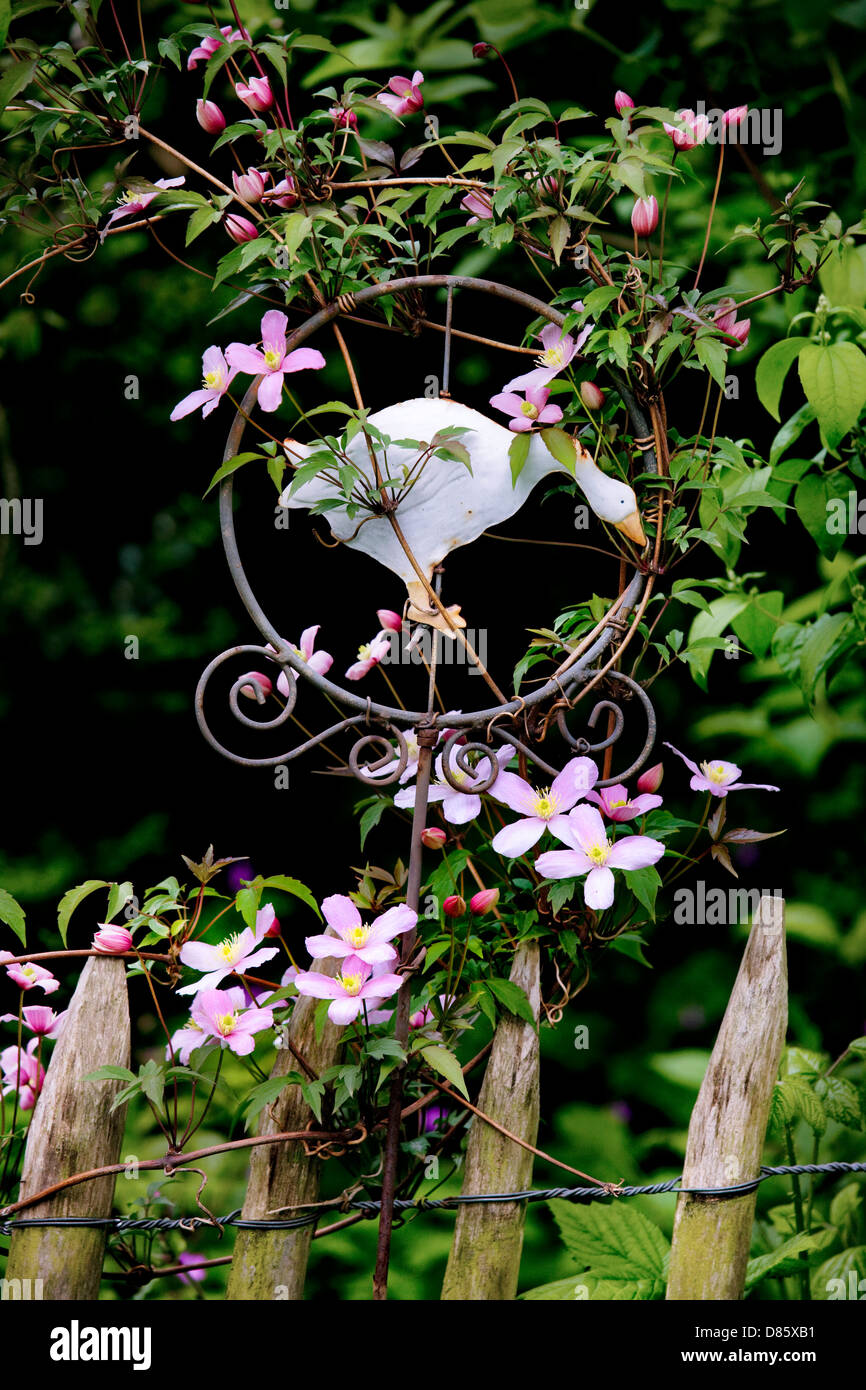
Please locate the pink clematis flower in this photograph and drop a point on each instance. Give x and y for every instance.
(185, 1040)
(540, 810)
(593, 854)
(216, 379)
(718, 777)
(458, 807)
(232, 956)
(558, 349)
(617, 806)
(30, 976)
(41, 1020)
(405, 96)
(651, 780)
(22, 1072)
(734, 116)
(368, 944)
(221, 1015)
(256, 94)
(208, 46)
(479, 205)
(369, 656)
(136, 202)
(623, 102)
(526, 414)
(697, 129)
(320, 662)
(195, 1276)
(250, 186)
(725, 319)
(273, 361)
(283, 194)
(350, 990)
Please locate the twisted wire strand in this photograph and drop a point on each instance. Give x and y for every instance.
(370, 1207)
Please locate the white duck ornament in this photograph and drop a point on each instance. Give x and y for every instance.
(448, 506)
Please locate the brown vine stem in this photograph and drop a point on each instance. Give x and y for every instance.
(197, 168)
(475, 338)
(539, 1153)
(54, 955)
(169, 1161)
(448, 179)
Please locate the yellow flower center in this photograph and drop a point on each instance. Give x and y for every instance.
(230, 949)
(214, 381)
(364, 652)
(29, 971)
(351, 983)
(615, 805)
(226, 1023)
(546, 804)
(527, 408)
(714, 772)
(599, 853)
(358, 936)
(298, 652)
(552, 357)
(272, 357)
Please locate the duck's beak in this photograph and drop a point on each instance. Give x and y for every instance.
(631, 527)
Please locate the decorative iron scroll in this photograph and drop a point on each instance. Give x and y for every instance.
(380, 724)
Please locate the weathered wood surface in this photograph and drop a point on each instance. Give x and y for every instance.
(268, 1265)
(73, 1129)
(484, 1262)
(726, 1134)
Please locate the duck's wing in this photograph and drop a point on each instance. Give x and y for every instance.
(447, 505)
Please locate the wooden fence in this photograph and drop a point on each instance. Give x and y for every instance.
(74, 1130)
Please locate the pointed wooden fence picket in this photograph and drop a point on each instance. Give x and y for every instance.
(74, 1129)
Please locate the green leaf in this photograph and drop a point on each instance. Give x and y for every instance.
(757, 623)
(443, 1061)
(518, 452)
(512, 998)
(312, 1092)
(71, 899)
(15, 79)
(712, 354)
(645, 884)
(152, 1079)
(618, 1241)
(230, 466)
(295, 887)
(827, 639)
(560, 1291)
(784, 1260)
(119, 895)
(111, 1073)
(841, 1101)
(843, 277)
(814, 502)
(562, 447)
(834, 380)
(264, 1094)
(371, 816)
(12, 913)
(559, 231)
(772, 370)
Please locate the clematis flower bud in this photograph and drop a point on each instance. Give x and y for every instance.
(111, 939)
(481, 50)
(484, 901)
(255, 94)
(740, 331)
(726, 314)
(734, 116)
(389, 620)
(433, 838)
(645, 215)
(454, 906)
(698, 128)
(262, 680)
(651, 780)
(343, 117)
(623, 102)
(240, 229)
(546, 185)
(209, 117)
(249, 186)
(591, 395)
